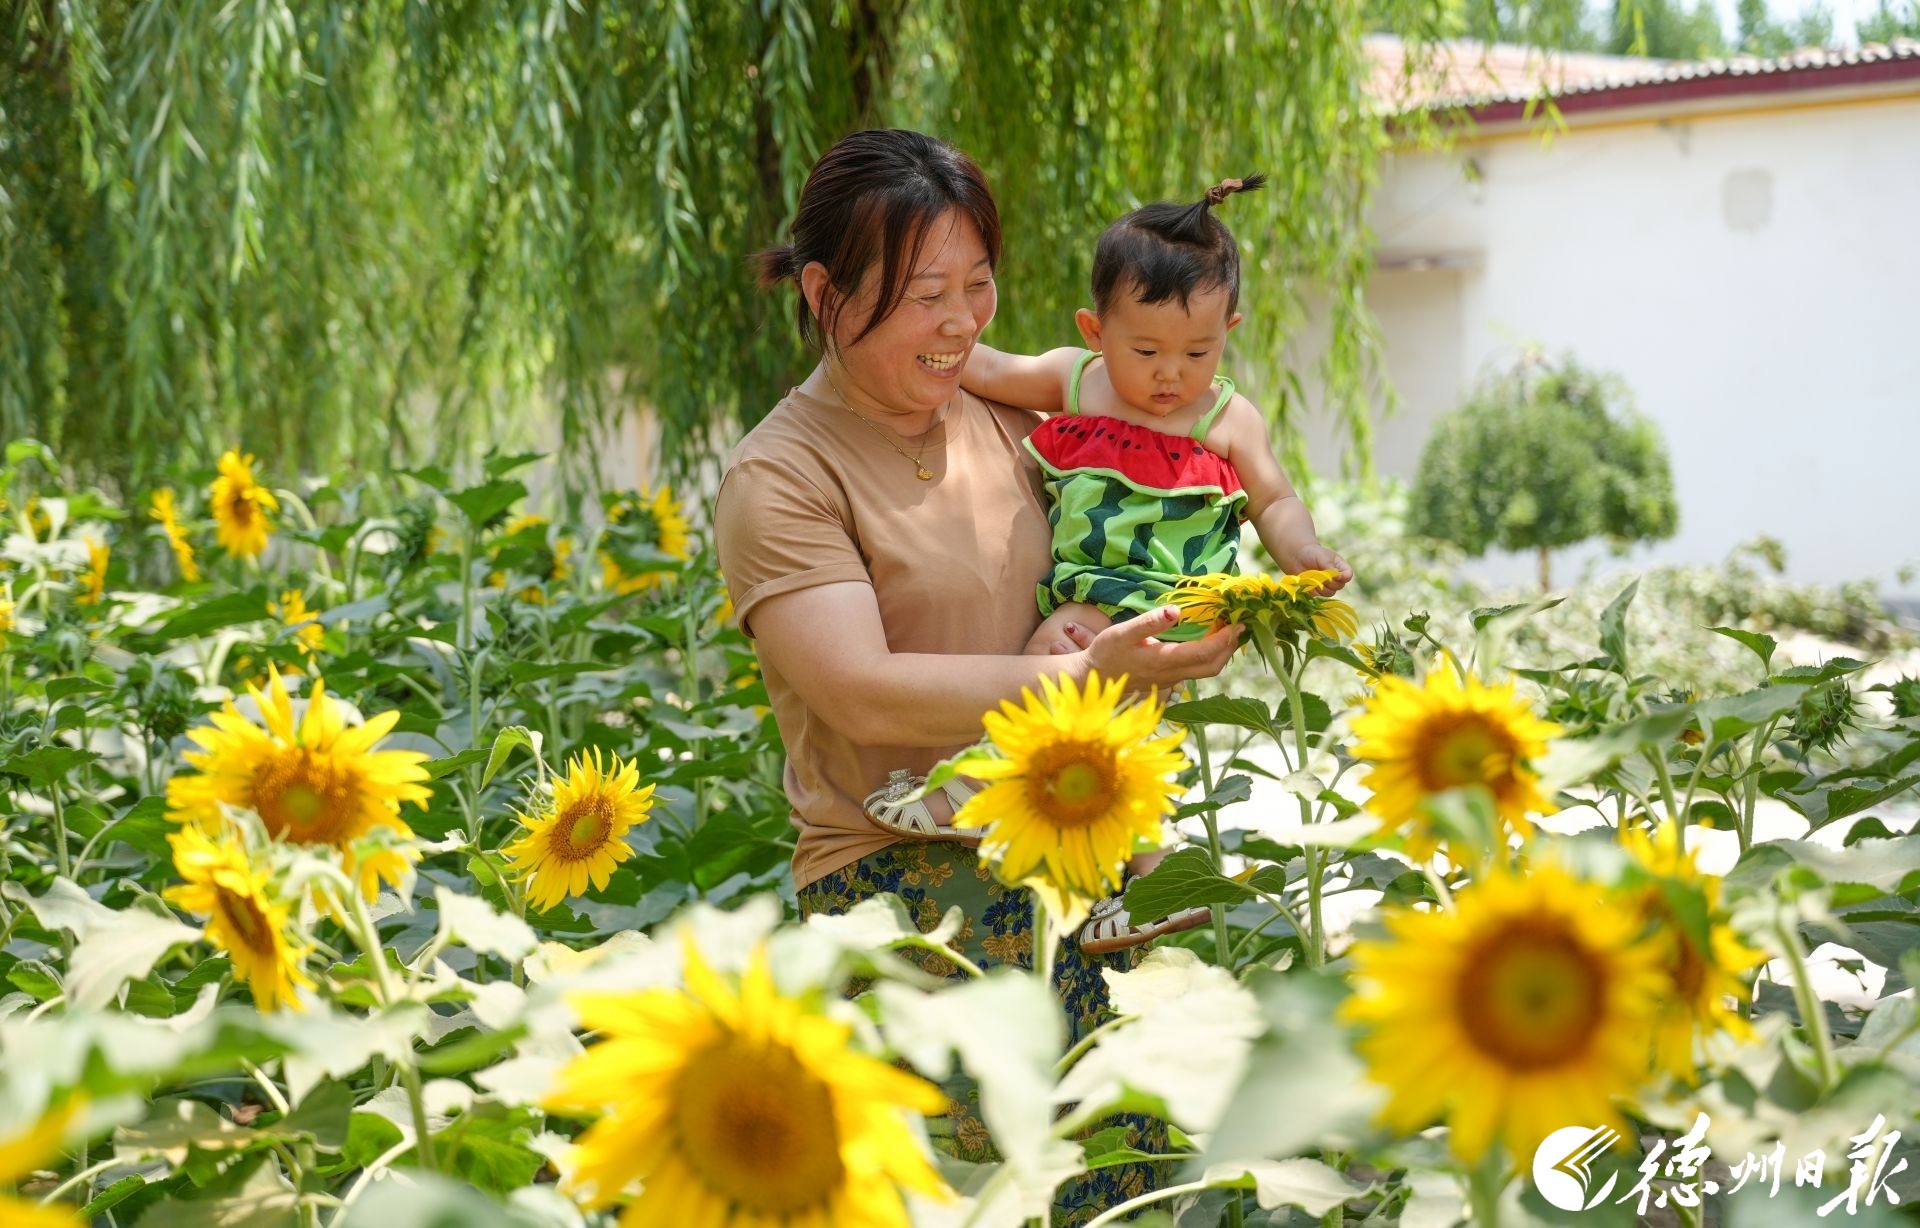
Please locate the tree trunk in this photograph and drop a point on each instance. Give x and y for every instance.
(1545, 580)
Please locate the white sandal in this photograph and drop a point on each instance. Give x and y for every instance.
(892, 811)
(1108, 928)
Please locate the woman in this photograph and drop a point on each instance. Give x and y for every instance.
(881, 532)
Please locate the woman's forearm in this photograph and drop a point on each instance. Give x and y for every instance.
(919, 699)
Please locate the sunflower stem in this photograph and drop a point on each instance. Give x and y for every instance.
(1659, 761)
(1043, 943)
(1485, 1181)
(1297, 712)
(1223, 949)
(59, 830)
(369, 935)
(1813, 1014)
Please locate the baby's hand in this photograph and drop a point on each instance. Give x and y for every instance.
(1318, 558)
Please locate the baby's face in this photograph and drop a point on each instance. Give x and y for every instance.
(1161, 357)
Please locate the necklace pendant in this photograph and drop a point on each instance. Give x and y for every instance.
(923, 473)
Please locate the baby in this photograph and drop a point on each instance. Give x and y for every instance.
(1152, 461)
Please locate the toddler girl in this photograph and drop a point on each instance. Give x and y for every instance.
(1152, 461)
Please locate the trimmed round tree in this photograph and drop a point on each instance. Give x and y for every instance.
(1541, 456)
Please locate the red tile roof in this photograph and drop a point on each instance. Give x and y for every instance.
(1495, 82)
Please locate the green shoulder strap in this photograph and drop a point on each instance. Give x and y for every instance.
(1205, 424)
(1073, 385)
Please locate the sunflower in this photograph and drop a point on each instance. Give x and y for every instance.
(292, 610)
(1447, 734)
(579, 838)
(1283, 605)
(241, 507)
(21, 1155)
(1702, 980)
(660, 527)
(554, 560)
(244, 918)
(312, 779)
(1528, 1005)
(98, 555)
(741, 1107)
(1077, 779)
(6, 612)
(165, 512)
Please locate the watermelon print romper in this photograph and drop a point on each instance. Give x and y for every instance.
(1133, 510)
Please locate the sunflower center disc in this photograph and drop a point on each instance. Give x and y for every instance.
(300, 799)
(1076, 786)
(245, 919)
(758, 1128)
(1467, 753)
(588, 830)
(1530, 1000)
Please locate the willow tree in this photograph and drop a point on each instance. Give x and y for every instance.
(383, 232)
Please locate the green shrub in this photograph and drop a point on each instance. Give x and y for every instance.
(1542, 456)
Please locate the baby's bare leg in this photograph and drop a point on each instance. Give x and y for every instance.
(1052, 638)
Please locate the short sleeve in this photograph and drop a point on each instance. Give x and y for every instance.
(776, 532)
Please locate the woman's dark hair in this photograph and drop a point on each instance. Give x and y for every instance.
(1164, 251)
(874, 196)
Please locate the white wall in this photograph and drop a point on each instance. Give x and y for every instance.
(1753, 277)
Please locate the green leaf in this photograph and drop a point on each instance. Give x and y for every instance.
(436, 768)
(1486, 614)
(1734, 715)
(504, 744)
(111, 1197)
(468, 1049)
(144, 827)
(1821, 807)
(425, 1200)
(35, 979)
(480, 504)
(65, 688)
(487, 1148)
(323, 1117)
(1241, 713)
(474, 923)
(1186, 879)
(1613, 626)
(213, 614)
(1763, 646)
(46, 765)
(1310, 1184)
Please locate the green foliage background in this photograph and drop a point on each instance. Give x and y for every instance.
(387, 232)
(1544, 455)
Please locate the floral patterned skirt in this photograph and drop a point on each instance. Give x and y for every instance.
(933, 877)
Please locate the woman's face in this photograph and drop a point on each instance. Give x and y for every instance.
(911, 363)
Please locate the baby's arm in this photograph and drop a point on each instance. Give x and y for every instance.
(1278, 514)
(1029, 381)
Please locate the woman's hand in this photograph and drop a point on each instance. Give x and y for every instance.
(1128, 648)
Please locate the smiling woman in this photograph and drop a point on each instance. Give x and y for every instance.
(881, 531)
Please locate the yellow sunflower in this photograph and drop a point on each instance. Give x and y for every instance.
(21, 1155)
(1282, 605)
(741, 1107)
(661, 526)
(1702, 980)
(1528, 1005)
(580, 837)
(1074, 779)
(6, 613)
(560, 553)
(98, 555)
(312, 779)
(1448, 734)
(244, 918)
(169, 518)
(292, 610)
(242, 509)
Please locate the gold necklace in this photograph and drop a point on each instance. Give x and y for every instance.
(919, 470)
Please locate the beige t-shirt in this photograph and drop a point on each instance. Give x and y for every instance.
(813, 497)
